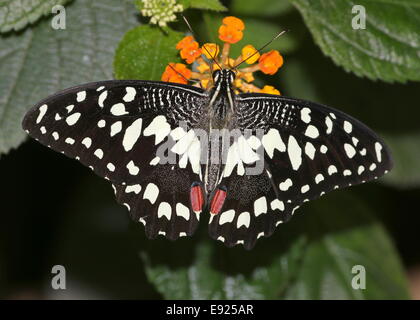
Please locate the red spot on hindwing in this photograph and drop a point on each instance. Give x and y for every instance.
(217, 201)
(196, 198)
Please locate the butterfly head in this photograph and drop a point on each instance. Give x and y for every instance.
(223, 78)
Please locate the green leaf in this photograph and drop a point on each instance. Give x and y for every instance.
(40, 61)
(17, 14)
(261, 8)
(406, 153)
(387, 49)
(344, 236)
(214, 5)
(202, 280)
(310, 257)
(144, 52)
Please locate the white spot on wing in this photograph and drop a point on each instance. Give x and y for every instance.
(158, 127)
(272, 140)
(254, 142)
(99, 153)
(136, 188)
(72, 119)
(347, 126)
(346, 173)
(118, 109)
(318, 178)
(132, 168)
(154, 161)
(151, 193)
(350, 151)
(304, 189)
(115, 128)
(295, 153)
(332, 169)
(285, 185)
(87, 142)
(227, 216)
(243, 220)
(102, 98)
(310, 150)
(129, 96)
(165, 210)
(312, 132)
(260, 206)
(69, 140)
(182, 211)
(131, 135)
(305, 115)
(246, 153)
(329, 124)
(81, 96)
(70, 108)
(277, 204)
(110, 167)
(378, 149)
(42, 110)
(101, 123)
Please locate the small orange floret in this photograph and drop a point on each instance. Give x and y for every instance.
(231, 30)
(190, 49)
(249, 54)
(233, 22)
(191, 53)
(211, 50)
(176, 72)
(270, 62)
(185, 42)
(270, 90)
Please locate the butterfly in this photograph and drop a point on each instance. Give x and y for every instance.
(146, 137)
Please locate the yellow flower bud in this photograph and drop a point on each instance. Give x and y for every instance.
(249, 54)
(205, 83)
(211, 50)
(270, 90)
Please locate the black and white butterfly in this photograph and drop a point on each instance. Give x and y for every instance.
(117, 127)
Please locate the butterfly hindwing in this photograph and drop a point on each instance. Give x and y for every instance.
(116, 128)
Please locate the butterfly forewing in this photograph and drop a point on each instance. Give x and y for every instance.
(308, 149)
(116, 128)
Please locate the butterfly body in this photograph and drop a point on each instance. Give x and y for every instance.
(175, 153)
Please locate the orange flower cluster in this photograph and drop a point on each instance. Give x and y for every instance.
(209, 57)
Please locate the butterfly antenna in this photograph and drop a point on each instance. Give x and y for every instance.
(262, 48)
(192, 32)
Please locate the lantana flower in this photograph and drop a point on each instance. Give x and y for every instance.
(209, 57)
